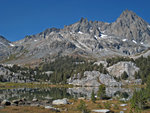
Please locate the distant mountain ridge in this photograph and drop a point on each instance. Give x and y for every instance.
(131, 26)
(128, 35)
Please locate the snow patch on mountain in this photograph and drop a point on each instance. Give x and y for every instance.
(142, 43)
(11, 44)
(80, 32)
(104, 36)
(96, 37)
(124, 40)
(134, 41)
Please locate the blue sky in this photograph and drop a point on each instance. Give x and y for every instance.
(19, 18)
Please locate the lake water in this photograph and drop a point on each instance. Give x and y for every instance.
(58, 93)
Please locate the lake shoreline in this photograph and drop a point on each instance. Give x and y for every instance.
(10, 85)
(35, 97)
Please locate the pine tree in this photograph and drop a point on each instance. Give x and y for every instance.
(124, 76)
(93, 97)
(139, 100)
(82, 107)
(101, 92)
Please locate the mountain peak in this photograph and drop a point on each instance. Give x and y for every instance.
(128, 12)
(131, 26)
(83, 20)
(128, 15)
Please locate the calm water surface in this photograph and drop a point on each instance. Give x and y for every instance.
(58, 93)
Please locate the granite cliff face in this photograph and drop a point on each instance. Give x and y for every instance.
(128, 35)
(118, 69)
(5, 47)
(94, 78)
(113, 79)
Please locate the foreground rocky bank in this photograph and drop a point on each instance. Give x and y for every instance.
(61, 105)
(68, 106)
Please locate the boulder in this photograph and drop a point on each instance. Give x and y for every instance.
(52, 108)
(60, 101)
(49, 107)
(101, 110)
(34, 100)
(5, 103)
(15, 102)
(35, 105)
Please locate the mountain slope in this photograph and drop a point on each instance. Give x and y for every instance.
(132, 27)
(128, 35)
(5, 46)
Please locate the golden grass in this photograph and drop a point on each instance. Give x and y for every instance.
(9, 85)
(72, 108)
(24, 109)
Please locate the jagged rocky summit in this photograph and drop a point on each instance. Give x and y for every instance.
(128, 35)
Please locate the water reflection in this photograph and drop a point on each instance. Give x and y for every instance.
(30, 93)
(55, 93)
(110, 92)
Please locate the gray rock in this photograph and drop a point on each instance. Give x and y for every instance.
(109, 80)
(21, 103)
(118, 69)
(94, 78)
(15, 102)
(9, 76)
(5, 103)
(101, 110)
(60, 101)
(52, 108)
(34, 100)
(49, 107)
(89, 79)
(35, 105)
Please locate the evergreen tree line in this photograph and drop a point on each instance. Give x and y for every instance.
(65, 67)
(144, 65)
(141, 99)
